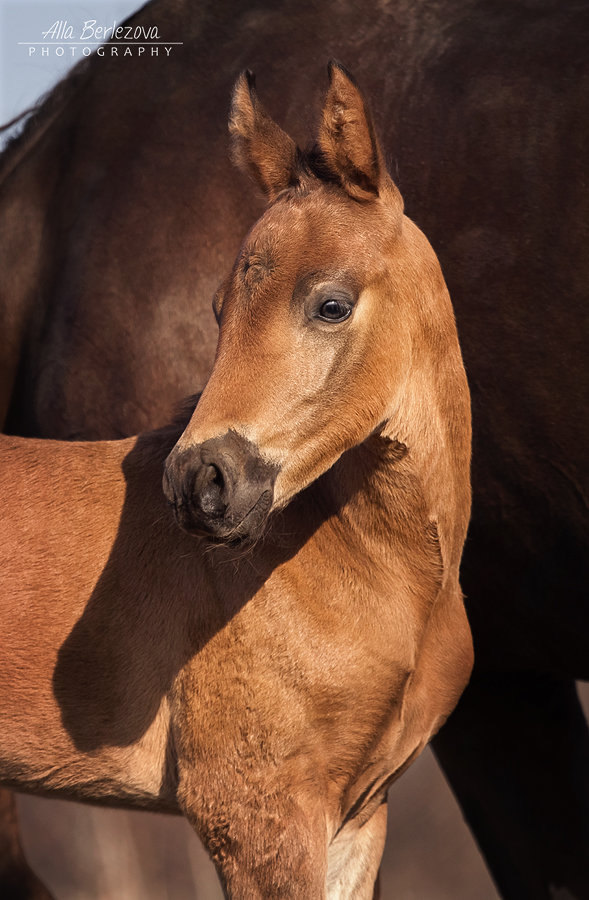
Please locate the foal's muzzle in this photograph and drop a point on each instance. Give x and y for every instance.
(221, 489)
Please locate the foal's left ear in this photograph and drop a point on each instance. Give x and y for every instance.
(260, 147)
(347, 138)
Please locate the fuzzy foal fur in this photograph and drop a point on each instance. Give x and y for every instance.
(272, 693)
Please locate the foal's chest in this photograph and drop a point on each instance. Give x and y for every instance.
(298, 687)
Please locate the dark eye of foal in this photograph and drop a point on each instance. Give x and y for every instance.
(333, 310)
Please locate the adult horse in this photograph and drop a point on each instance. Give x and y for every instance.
(271, 695)
(111, 256)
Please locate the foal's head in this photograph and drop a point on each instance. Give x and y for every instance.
(320, 319)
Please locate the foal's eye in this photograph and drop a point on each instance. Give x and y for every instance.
(335, 310)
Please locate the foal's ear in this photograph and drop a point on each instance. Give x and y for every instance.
(347, 139)
(260, 147)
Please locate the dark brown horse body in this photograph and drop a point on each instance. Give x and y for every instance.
(271, 689)
(119, 211)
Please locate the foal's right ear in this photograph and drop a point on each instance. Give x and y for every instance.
(260, 147)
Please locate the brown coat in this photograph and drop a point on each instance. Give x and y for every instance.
(270, 692)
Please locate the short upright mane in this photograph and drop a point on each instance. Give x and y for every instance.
(312, 161)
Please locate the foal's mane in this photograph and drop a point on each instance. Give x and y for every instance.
(312, 161)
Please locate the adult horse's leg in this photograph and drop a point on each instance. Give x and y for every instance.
(516, 751)
(17, 879)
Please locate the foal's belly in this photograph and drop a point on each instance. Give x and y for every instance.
(37, 756)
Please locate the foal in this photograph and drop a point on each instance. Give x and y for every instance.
(270, 688)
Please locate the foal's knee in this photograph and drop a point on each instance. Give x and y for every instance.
(263, 847)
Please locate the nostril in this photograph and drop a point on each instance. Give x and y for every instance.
(216, 476)
(210, 491)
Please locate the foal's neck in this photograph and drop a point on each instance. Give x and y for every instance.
(376, 497)
(410, 481)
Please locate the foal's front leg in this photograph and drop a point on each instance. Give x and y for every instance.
(354, 858)
(264, 847)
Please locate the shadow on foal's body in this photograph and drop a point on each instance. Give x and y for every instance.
(271, 688)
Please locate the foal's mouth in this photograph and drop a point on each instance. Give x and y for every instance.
(224, 532)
